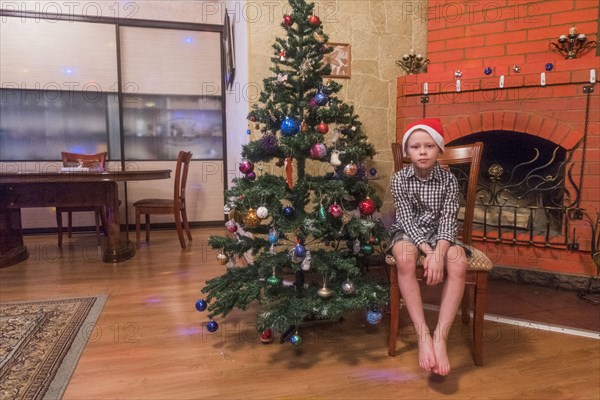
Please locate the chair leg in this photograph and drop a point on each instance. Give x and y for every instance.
(179, 227)
(479, 303)
(97, 217)
(394, 310)
(70, 222)
(137, 227)
(186, 224)
(147, 217)
(60, 227)
(465, 305)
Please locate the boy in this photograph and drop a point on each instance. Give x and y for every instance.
(426, 202)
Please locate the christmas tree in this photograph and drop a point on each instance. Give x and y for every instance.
(300, 238)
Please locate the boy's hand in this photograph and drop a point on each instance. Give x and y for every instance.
(434, 262)
(434, 268)
(429, 269)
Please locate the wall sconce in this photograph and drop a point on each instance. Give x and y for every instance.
(412, 63)
(572, 44)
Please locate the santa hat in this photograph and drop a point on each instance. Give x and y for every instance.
(433, 126)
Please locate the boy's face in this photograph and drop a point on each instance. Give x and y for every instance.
(423, 152)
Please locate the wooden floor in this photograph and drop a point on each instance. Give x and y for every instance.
(151, 343)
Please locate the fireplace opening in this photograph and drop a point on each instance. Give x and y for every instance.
(521, 185)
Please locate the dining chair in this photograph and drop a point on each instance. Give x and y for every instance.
(175, 205)
(479, 265)
(92, 161)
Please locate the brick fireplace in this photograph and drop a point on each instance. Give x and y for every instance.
(512, 41)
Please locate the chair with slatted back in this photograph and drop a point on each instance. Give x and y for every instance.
(93, 162)
(175, 205)
(479, 265)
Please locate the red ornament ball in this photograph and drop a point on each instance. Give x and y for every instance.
(266, 336)
(336, 210)
(287, 20)
(322, 128)
(246, 167)
(252, 118)
(367, 206)
(313, 20)
(318, 151)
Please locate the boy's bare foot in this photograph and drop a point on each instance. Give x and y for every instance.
(441, 355)
(427, 360)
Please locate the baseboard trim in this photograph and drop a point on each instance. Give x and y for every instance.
(552, 280)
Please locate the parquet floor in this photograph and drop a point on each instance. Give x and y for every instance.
(151, 343)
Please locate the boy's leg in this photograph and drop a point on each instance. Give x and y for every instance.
(406, 254)
(456, 269)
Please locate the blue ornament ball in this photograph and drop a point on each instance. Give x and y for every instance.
(273, 236)
(299, 250)
(296, 340)
(374, 316)
(290, 126)
(212, 326)
(321, 98)
(373, 171)
(288, 212)
(487, 71)
(549, 67)
(201, 305)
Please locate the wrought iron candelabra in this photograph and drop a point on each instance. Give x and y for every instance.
(412, 62)
(572, 44)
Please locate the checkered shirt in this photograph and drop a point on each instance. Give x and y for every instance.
(426, 210)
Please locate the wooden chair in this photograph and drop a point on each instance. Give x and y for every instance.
(479, 264)
(175, 206)
(93, 161)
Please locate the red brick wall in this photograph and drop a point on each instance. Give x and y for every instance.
(470, 36)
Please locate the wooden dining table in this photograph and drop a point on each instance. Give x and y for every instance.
(58, 188)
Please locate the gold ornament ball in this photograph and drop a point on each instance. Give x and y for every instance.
(325, 292)
(251, 219)
(223, 258)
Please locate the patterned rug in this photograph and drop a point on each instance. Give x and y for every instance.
(41, 342)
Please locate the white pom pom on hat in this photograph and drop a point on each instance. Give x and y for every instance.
(433, 126)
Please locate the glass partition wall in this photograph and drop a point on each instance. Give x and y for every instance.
(144, 92)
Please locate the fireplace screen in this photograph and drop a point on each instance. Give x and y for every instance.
(525, 189)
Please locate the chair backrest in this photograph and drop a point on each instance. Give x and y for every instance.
(181, 174)
(469, 155)
(96, 161)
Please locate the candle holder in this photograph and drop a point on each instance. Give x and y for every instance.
(572, 44)
(412, 62)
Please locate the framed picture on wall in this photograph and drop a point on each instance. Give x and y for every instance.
(339, 60)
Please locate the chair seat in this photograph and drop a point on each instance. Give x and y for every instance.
(154, 203)
(477, 262)
(174, 205)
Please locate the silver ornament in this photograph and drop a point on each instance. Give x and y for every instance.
(262, 212)
(348, 286)
(306, 262)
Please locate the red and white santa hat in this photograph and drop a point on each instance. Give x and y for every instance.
(433, 126)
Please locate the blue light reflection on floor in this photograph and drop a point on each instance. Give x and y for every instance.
(153, 300)
(396, 375)
(189, 331)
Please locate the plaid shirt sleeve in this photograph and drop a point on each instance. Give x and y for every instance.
(448, 225)
(405, 216)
